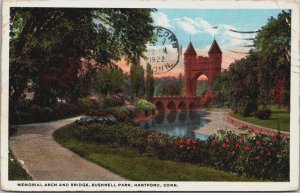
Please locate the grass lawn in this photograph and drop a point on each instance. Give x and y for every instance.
(128, 163)
(279, 120)
(15, 171)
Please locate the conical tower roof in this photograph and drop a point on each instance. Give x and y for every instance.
(214, 48)
(190, 50)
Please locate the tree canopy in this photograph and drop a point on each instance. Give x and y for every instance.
(262, 77)
(47, 46)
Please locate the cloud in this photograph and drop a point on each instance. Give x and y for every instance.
(161, 19)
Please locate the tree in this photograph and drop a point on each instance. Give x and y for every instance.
(137, 79)
(168, 89)
(181, 83)
(47, 46)
(108, 81)
(273, 47)
(149, 82)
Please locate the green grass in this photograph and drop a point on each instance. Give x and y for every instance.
(279, 120)
(128, 163)
(15, 170)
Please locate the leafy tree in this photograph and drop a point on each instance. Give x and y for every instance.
(47, 46)
(181, 84)
(137, 79)
(149, 82)
(108, 81)
(273, 47)
(168, 89)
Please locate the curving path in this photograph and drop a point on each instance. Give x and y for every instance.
(217, 120)
(44, 159)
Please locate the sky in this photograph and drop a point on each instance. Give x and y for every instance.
(198, 25)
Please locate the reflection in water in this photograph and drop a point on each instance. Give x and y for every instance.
(178, 124)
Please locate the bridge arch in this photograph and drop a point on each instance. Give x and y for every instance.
(182, 106)
(171, 106)
(192, 106)
(160, 106)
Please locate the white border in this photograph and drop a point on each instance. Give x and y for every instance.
(188, 4)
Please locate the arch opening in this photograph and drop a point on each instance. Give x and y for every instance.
(160, 106)
(182, 106)
(201, 85)
(192, 107)
(171, 106)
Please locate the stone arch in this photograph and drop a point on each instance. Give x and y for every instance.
(160, 106)
(182, 106)
(192, 107)
(193, 82)
(171, 106)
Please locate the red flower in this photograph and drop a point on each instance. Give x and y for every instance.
(195, 142)
(181, 142)
(242, 139)
(257, 157)
(247, 148)
(188, 148)
(188, 142)
(237, 146)
(213, 142)
(177, 138)
(258, 142)
(233, 153)
(224, 145)
(269, 153)
(228, 142)
(262, 152)
(181, 146)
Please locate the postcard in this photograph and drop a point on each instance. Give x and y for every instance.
(140, 95)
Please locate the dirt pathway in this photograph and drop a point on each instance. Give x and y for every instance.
(45, 159)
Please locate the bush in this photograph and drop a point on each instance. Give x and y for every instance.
(209, 99)
(113, 101)
(36, 113)
(263, 114)
(20, 118)
(47, 114)
(62, 110)
(245, 107)
(88, 104)
(146, 106)
(258, 156)
(117, 112)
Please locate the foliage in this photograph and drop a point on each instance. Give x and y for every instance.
(209, 99)
(47, 47)
(263, 76)
(146, 106)
(88, 104)
(263, 114)
(118, 113)
(121, 159)
(137, 79)
(15, 170)
(168, 89)
(202, 87)
(108, 81)
(259, 156)
(149, 82)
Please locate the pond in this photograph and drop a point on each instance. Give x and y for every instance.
(178, 124)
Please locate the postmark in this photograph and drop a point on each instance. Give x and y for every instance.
(164, 52)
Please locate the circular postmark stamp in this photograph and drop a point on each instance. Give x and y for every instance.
(163, 53)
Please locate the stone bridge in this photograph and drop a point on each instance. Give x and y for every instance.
(176, 103)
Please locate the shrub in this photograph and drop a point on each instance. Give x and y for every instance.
(245, 107)
(62, 110)
(146, 106)
(112, 101)
(88, 104)
(209, 99)
(36, 113)
(258, 156)
(20, 118)
(263, 114)
(117, 112)
(47, 114)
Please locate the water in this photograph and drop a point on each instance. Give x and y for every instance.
(177, 124)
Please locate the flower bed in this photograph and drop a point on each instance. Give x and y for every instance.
(255, 155)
